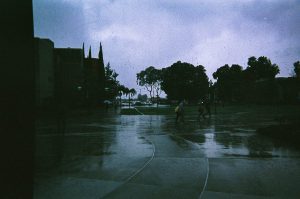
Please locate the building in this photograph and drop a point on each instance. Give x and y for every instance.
(44, 71)
(69, 76)
(94, 73)
(65, 77)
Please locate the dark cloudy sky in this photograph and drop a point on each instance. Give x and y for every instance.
(136, 34)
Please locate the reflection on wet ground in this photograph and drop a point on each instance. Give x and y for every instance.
(220, 137)
(216, 136)
(106, 150)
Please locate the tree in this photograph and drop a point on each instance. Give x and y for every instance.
(126, 91)
(297, 69)
(151, 79)
(261, 68)
(258, 79)
(111, 84)
(221, 72)
(131, 93)
(121, 91)
(184, 81)
(157, 85)
(142, 98)
(223, 85)
(229, 81)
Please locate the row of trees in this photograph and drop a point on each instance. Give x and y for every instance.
(233, 83)
(256, 83)
(113, 88)
(178, 81)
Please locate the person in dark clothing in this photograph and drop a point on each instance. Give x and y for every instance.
(179, 110)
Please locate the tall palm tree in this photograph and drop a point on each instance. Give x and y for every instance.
(126, 92)
(131, 93)
(121, 90)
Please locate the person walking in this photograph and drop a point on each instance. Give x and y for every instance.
(179, 110)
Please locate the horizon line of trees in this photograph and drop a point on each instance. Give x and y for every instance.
(183, 80)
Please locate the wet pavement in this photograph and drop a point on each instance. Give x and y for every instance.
(107, 155)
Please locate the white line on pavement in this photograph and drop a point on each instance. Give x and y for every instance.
(138, 111)
(146, 164)
(207, 173)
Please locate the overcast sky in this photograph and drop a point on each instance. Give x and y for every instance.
(136, 34)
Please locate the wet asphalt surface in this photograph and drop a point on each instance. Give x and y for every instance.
(107, 155)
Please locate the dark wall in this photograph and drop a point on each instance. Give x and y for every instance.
(94, 81)
(68, 75)
(16, 99)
